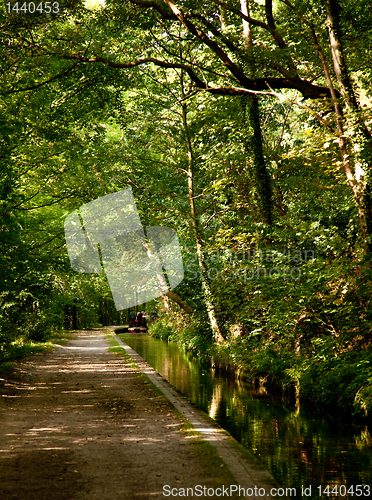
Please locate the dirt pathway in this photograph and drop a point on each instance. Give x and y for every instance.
(78, 423)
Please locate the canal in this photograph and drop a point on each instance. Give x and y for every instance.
(299, 450)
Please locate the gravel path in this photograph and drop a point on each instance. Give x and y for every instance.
(79, 423)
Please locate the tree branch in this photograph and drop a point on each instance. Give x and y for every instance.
(226, 61)
(216, 32)
(249, 19)
(41, 84)
(174, 296)
(157, 7)
(307, 89)
(138, 62)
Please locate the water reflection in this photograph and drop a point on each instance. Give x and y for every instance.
(298, 450)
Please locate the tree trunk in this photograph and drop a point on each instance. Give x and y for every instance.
(208, 296)
(359, 148)
(166, 303)
(261, 175)
(252, 111)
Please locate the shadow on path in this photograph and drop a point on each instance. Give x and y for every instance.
(78, 423)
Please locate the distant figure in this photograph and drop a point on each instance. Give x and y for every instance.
(153, 316)
(132, 317)
(139, 317)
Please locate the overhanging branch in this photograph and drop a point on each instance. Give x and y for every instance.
(307, 89)
(138, 62)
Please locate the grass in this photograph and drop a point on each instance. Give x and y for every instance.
(21, 348)
(120, 351)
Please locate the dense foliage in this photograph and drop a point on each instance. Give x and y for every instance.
(243, 125)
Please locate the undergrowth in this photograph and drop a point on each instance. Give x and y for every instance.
(330, 373)
(22, 347)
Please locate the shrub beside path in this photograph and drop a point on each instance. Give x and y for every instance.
(80, 423)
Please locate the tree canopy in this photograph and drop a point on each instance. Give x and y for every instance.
(245, 126)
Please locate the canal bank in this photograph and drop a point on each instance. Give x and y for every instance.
(248, 473)
(296, 448)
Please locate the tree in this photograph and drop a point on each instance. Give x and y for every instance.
(282, 40)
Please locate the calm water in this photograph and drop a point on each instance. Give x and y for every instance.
(297, 450)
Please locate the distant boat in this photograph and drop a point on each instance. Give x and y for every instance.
(133, 328)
